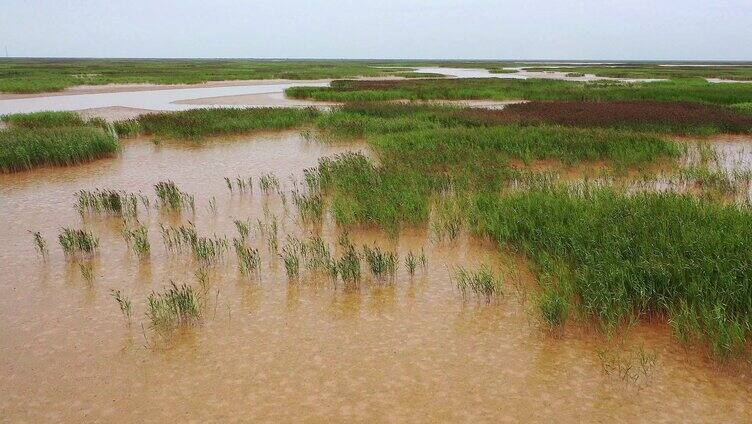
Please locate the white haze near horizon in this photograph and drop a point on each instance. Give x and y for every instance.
(387, 29)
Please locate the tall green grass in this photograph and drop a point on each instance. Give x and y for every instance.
(414, 165)
(613, 256)
(44, 120)
(52, 138)
(691, 90)
(200, 123)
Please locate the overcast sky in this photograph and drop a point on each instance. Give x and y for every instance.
(445, 29)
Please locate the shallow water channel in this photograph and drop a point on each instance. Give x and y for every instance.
(271, 350)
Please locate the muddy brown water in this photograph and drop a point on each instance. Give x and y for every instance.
(267, 350)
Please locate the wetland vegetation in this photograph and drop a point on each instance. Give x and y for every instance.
(689, 90)
(593, 189)
(53, 138)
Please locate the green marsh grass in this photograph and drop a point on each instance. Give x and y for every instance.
(482, 282)
(684, 90)
(380, 263)
(646, 254)
(107, 201)
(197, 124)
(23, 148)
(310, 206)
(37, 120)
(249, 260)
(41, 75)
(177, 306)
(76, 241)
(553, 306)
(137, 239)
(172, 198)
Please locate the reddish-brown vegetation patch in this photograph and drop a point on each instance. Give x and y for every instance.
(659, 116)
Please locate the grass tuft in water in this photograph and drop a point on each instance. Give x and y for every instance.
(123, 302)
(75, 242)
(106, 201)
(380, 263)
(171, 198)
(481, 282)
(177, 306)
(269, 183)
(40, 244)
(291, 257)
(249, 260)
(411, 263)
(348, 264)
(138, 239)
(316, 253)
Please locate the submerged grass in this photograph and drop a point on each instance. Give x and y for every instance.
(108, 201)
(76, 241)
(482, 282)
(172, 198)
(177, 306)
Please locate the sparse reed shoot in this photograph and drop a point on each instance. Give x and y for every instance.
(482, 282)
(40, 244)
(123, 302)
(380, 263)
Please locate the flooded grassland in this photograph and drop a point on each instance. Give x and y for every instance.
(272, 346)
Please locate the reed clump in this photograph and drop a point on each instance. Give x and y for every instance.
(78, 242)
(175, 307)
(206, 250)
(26, 148)
(249, 260)
(137, 238)
(483, 283)
(108, 201)
(197, 124)
(172, 198)
(380, 263)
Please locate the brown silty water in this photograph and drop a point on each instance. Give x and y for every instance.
(270, 350)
